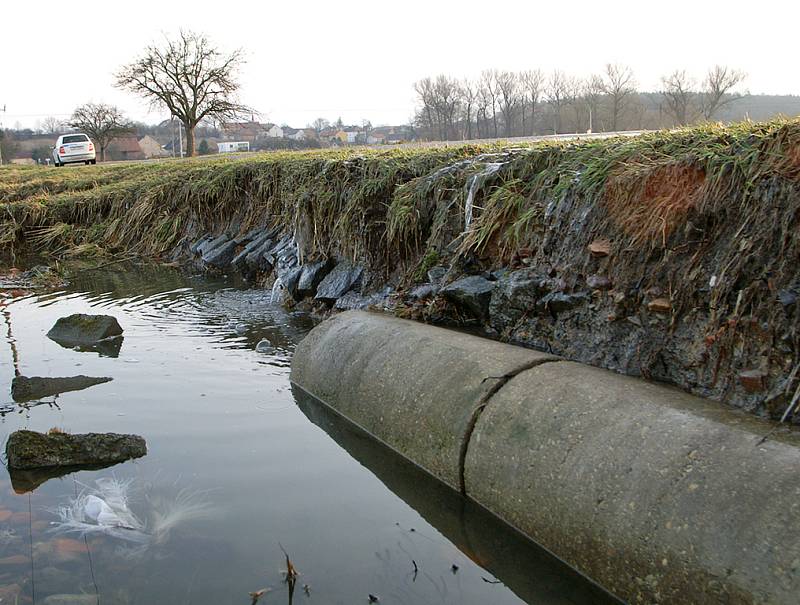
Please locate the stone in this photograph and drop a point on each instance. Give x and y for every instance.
(559, 302)
(422, 292)
(353, 300)
(29, 449)
(80, 329)
(342, 278)
(471, 294)
(753, 381)
(659, 305)
(240, 260)
(264, 346)
(514, 296)
(600, 248)
(221, 255)
(787, 297)
(210, 243)
(598, 282)
(436, 274)
(195, 247)
(312, 275)
(290, 277)
(256, 260)
(25, 388)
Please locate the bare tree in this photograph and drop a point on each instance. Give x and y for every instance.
(557, 94)
(678, 95)
(319, 125)
(447, 91)
(469, 97)
(620, 85)
(720, 80)
(188, 76)
(532, 83)
(101, 122)
(593, 92)
(507, 87)
(51, 125)
(426, 94)
(491, 92)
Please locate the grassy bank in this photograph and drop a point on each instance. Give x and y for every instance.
(695, 234)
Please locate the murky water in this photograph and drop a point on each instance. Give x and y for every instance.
(236, 469)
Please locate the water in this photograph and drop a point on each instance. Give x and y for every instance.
(237, 466)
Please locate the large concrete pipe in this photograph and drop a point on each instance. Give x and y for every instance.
(659, 496)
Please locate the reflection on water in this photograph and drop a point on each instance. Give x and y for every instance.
(235, 471)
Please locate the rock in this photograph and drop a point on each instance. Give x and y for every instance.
(220, 256)
(195, 247)
(598, 282)
(559, 302)
(264, 346)
(240, 260)
(600, 248)
(659, 305)
(290, 278)
(436, 274)
(240, 329)
(29, 449)
(422, 292)
(471, 294)
(753, 381)
(210, 243)
(353, 300)
(256, 260)
(787, 297)
(24, 388)
(342, 278)
(312, 275)
(515, 294)
(80, 329)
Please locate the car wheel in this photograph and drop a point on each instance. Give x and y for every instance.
(94, 162)
(86, 162)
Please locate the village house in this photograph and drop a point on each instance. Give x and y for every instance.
(124, 147)
(152, 148)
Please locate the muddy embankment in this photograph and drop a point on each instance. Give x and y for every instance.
(669, 256)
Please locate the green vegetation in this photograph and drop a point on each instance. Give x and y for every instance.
(391, 207)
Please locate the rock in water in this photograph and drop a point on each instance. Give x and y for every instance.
(343, 277)
(472, 294)
(29, 449)
(264, 346)
(312, 275)
(80, 329)
(25, 388)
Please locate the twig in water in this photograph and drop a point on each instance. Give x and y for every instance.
(256, 595)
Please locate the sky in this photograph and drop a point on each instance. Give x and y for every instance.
(358, 60)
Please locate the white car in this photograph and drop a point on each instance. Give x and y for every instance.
(74, 148)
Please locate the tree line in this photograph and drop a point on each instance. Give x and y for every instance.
(526, 103)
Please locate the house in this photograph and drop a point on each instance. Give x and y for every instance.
(250, 131)
(294, 134)
(233, 147)
(152, 148)
(376, 138)
(351, 134)
(124, 147)
(309, 134)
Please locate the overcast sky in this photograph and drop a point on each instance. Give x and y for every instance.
(358, 60)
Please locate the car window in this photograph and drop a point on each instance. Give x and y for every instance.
(75, 138)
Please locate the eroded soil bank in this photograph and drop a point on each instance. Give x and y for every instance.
(671, 256)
